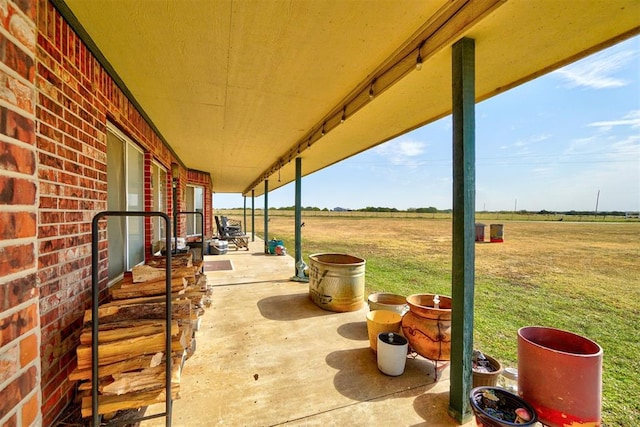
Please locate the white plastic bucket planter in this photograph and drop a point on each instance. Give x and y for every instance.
(392, 353)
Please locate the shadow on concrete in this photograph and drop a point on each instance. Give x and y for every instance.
(358, 377)
(427, 404)
(356, 331)
(290, 307)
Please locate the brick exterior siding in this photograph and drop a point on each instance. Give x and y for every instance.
(55, 102)
(19, 312)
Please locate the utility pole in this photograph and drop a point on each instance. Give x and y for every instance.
(597, 200)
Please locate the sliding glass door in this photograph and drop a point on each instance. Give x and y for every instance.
(125, 192)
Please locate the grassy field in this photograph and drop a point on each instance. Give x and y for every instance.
(579, 276)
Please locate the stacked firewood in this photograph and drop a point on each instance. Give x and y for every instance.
(132, 336)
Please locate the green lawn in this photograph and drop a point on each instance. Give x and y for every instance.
(581, 277)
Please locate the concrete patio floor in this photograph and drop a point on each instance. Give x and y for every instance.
(266, 355)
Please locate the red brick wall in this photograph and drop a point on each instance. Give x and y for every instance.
(72, 174)
(19, 315)
(75, 99)
(55, 101)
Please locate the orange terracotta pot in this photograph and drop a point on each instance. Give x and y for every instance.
(428, 329)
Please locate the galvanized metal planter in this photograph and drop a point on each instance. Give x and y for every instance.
(336, 281)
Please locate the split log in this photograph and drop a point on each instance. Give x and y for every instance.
(117, 351)
(139, 300)
(127, 280)
(86, 385)
(115, 331)
(140, 308)
(178, 260)
(146, 379)
(146, 273)
(125, 290)
(197, 312)
(190, 280)
(186, 335)
(81, 394)
(108, 404)
(194, 295)
(135, 363)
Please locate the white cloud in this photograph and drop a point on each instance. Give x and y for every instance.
(523, 144)
(603, 140)
(579, 145)
(541, 170)
(597, 71)
(626, 149)
(540, 138)
(632, 119)
(402, 152)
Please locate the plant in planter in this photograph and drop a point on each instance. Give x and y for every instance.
(496, 407)
(485, 369)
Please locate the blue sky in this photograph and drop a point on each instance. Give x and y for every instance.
(554, 143)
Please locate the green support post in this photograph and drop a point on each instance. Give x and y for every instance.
(266, 216)
(298, 275)
(298, 219)
(253, 215)
(463, 277)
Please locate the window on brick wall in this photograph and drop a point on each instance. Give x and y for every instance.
(159, 196)
(125, 192)
(195, 203)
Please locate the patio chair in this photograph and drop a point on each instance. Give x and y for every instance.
(232, 234)
(233, 225)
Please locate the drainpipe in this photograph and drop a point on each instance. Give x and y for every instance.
(266, 216)
(463, 262)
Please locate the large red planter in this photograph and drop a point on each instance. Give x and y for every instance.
(560, 375)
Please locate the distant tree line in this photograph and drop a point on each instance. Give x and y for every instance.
(304, 208)
(367, 209)
(602, 213)
(432, 209)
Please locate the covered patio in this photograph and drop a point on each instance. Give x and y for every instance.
(258, 96)
(266, 355)
(143, 106)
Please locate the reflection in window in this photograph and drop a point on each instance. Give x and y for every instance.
(195, 203)
(125, 192)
